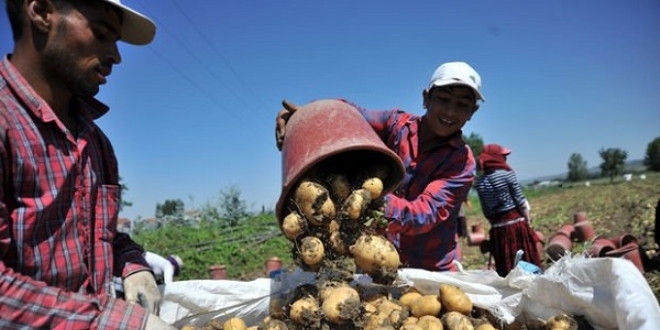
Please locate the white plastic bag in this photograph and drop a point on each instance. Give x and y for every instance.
(609, 292)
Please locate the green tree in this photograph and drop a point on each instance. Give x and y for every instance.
(652, 157)
(614, 160)
(124, 188)
(476, 143)
(231, 206)
(577, 168)
(171, 207)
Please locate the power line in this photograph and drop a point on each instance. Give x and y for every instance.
(196, 58)
(192, 82)
(208, 41)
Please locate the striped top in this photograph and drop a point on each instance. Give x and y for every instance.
(423, 210)
(499, 192)
(59, 200)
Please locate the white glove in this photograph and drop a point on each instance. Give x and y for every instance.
(141, 288)
(156, 323)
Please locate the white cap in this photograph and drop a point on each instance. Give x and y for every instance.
(457, 73)
(136, 28)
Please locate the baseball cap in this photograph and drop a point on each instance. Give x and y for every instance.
(136, 28)
(496, 149)
(457, 73)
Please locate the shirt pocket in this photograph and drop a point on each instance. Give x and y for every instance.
(106, 211)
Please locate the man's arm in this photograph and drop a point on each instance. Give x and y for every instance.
(25, 302)
(128, 256)
(441, 197)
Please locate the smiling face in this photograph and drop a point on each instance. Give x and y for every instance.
(82, 47)
(448, 108)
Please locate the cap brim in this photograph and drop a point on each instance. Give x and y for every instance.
(439, 83)
(136, 28)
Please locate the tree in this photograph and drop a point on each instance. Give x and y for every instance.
(124, 188)
(577, 168)
(652, 157)
(231, 206)
(171, 207)
(476, 143)
(614, 160)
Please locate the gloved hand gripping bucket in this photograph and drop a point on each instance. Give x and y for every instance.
(331, 134)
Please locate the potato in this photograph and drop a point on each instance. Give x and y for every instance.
(395, 312)
(429, 322)
(304, 311)
(562, 322)
(327, 287)
(456, 321)
(454, 299)
(189, 327)
(333, 226)
(312, 250)
(314, 202)
(408, 298)
(375, 254)
(426, 305)
(485, 326)
(411, 327)
(410, 320)
(293, 225)
(341, 304)
(339, 186)
(213, 324)
(355, 204)
(234, 323)
(274, 325)
(377, 321)
(374, 186)
(338, 245)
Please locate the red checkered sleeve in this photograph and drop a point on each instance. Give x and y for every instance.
(27, 303)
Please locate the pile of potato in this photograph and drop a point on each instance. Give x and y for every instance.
(336, 225)
(378, 309)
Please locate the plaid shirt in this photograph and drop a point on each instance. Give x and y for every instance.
(59, 199)
(423, 210)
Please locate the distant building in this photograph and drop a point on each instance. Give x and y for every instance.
(550, 183)
(124, 225)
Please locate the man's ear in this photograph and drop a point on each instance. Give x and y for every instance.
(39, 14)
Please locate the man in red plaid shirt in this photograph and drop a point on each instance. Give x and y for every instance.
(59, 186)
(440, 167)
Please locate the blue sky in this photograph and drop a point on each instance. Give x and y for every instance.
(192, 113)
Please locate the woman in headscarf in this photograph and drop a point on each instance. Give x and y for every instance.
(504, 205)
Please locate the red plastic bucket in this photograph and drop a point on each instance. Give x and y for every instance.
(331, 133)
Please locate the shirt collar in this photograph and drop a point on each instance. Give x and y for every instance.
(455, 140)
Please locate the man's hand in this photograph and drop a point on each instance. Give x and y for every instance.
(141, 288)
(281, 120)
(156, 323)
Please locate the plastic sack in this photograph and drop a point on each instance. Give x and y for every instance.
(609, 292)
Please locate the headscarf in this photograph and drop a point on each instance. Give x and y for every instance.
(493, 157)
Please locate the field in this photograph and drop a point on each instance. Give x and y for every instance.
(613, 208)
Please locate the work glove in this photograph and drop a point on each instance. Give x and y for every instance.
(156, 323)
(141, 288)
(281, 120)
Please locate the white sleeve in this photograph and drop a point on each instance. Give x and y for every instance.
(160, 265)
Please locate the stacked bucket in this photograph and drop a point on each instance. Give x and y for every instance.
(623, 246)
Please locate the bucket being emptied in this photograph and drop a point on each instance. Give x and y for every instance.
(331, 134)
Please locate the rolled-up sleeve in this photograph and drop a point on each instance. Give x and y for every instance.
(441, 197)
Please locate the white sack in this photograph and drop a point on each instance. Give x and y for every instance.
(610, 292)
